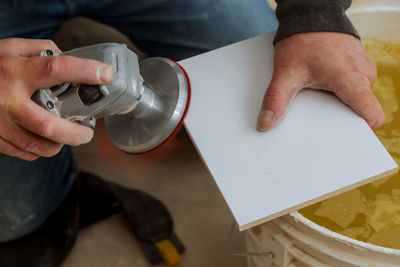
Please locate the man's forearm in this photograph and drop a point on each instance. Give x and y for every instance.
(298, 16)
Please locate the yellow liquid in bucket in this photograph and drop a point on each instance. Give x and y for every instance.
(371, 213)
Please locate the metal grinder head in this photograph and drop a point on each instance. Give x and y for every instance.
(160, 110)
(143, 106)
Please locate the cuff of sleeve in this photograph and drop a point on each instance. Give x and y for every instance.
(312, 16)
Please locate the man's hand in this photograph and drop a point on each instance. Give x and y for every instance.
(28, 131)
(335, 62)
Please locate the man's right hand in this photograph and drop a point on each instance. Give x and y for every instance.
(27, 130)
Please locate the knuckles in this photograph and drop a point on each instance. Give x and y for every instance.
(28, 145)
(15, 152)
(16, 110)
(10, 42)
(9, 105)
(37, 147)
(51, 44)
(274, 95)
(6, 68)
(53, 66)
(46, 129)
(372, 73)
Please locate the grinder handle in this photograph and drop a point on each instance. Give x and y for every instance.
(78, 95)
(84, 103)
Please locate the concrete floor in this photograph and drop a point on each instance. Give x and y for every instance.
(176, 175)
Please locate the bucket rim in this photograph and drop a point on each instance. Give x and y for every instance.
(341, 238)
(373, 6)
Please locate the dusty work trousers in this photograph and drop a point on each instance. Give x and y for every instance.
(31, 191)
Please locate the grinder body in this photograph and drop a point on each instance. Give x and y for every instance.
(142, 106)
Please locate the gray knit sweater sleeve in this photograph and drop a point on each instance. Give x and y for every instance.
(297, 16)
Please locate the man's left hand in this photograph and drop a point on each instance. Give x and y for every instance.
(336, 62)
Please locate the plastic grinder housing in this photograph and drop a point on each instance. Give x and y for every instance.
(143, 106)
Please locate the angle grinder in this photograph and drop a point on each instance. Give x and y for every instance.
(143, 107)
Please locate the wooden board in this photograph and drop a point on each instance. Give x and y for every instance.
(320, 149)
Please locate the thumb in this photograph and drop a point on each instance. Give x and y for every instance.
(281, 90)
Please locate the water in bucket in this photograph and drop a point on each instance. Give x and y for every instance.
(371, 213)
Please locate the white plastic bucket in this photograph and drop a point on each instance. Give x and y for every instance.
(293, 240)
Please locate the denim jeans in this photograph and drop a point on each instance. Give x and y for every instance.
(31, 191)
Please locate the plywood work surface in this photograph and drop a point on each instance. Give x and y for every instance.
(320, 149)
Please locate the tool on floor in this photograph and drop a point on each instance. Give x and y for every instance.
(143, 107)
(152, 225)
(148, 217)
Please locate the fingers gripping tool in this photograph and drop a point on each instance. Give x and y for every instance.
(143, 106)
